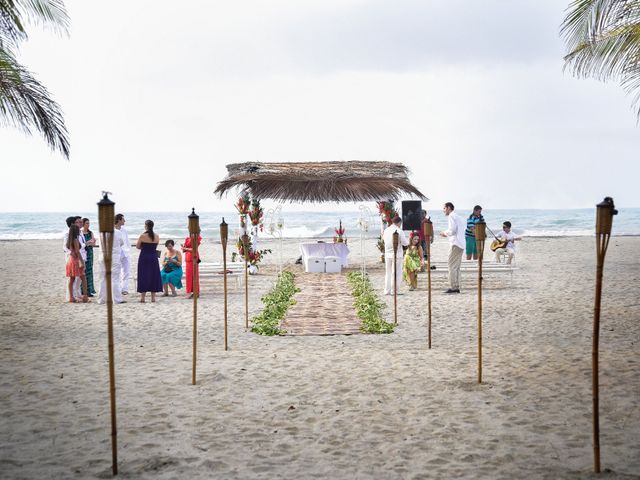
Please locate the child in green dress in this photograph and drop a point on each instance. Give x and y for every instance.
(413, 261)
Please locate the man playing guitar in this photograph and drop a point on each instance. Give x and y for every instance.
(504, 243)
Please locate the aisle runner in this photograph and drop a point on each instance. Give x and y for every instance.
(325, 306)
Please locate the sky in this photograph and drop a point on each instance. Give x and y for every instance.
(471, 96)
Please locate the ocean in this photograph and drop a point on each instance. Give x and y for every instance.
(301, 224)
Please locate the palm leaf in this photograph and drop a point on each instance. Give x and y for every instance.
(26, 104)
(603, 39)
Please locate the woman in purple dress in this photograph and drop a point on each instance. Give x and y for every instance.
(149, 279)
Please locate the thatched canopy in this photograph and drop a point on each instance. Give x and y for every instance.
(351, 181)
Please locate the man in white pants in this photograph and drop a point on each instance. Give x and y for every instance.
(387, 238)
(455, 232)
(116, 266)
(125, 257)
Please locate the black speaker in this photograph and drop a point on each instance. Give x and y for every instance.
(411, 214)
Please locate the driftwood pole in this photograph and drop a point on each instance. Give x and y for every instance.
(428, 234)
(194, 231)
(604, 219)
(106, 210)
(481, 236)
(224, 236)
(395, 277)
(245, 250)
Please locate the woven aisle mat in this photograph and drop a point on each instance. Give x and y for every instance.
(324, 306)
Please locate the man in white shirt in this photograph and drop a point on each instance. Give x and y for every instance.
(77, 283)
(387, 238)
(455, 232)
(509, 250)
(116, 255)
(125, 258)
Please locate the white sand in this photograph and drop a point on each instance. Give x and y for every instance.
(341, 407)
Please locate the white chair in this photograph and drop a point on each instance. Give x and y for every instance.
(332, 264)
(314, 265)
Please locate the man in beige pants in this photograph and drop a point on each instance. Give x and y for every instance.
(455, 232)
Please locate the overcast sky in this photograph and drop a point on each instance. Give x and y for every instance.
(159, 96)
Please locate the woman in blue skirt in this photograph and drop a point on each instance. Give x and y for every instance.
(171, 269)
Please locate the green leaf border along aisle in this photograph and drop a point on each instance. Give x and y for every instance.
(276, 303)
(368, 305)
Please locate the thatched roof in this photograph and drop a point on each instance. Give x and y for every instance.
(351, 181)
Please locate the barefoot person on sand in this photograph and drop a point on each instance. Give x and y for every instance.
(75, 264)
(148, 269)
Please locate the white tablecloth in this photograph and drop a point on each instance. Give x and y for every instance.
(325, 250)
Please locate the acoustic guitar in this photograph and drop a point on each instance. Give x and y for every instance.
(497, 243)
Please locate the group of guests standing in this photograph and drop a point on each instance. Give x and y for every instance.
(152, 276)
(462, 239)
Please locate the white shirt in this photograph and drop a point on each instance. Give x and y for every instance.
(387, 238)
(509, 237)
(456, 229)
(126, 249)
(118, 245)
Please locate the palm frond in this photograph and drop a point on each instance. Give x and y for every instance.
(46, 13)
(603, 39)
(26, 104)
(11, 29)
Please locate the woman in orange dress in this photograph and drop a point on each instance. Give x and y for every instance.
(190, 265)
(75, 265)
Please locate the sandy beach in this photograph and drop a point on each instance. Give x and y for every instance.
(339, 407)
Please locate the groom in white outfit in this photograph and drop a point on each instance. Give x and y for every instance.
(387, 238)
(116, 255)
(125, 257)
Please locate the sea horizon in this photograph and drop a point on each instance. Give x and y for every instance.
(313, 224)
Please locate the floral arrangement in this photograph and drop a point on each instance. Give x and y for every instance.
(339, 238)
(380, 244)
(387, 211)
(256, 213)
(255, 256)
(243, 204)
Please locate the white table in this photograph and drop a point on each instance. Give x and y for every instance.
(339, 250)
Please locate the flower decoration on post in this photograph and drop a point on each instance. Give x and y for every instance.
(254, 256)
(387, 211)
(339, 238)
(256, 213)
(243, 204)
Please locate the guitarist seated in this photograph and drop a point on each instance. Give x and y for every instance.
(504, 243)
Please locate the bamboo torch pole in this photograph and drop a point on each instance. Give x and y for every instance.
(194, 232)
(106, 210)
(481, 236)
(428, 234)
(245, 250)
(604, 218)
(395, 277)
(224, 236)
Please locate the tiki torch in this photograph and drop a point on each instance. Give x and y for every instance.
(481, 236)
(395, 277)
(106, 210)
(245, 250)
(428, 234)
(604, 219)
(224, 236)
(194, 230)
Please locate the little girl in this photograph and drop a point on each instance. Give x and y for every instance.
(413, 261)
(75, 264)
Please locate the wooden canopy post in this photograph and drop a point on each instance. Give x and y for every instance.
(604, 219)
(428, 234)
(481, 236)
(245, 250)
(106, 209)
(194, 231)
(224, 236)
(395, 277)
